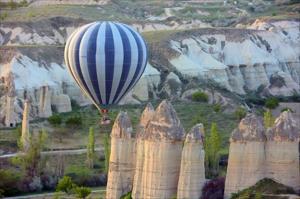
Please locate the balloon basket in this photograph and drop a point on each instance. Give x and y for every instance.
(105, 118)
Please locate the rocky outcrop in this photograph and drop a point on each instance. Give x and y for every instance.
(45, 102)
(163, 144)
(255, 154)
(246, 163)
(25, 137)
(122, 158)
(62, 103)
(282, 151)
(192, 170)
(146, 116)
(10, 117)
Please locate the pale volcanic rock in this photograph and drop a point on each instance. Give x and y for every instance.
(25, 137)
(146, 116)
(62, 103)
(250, 129)
(285, 128)
(45, 102)
(122, 158)
(192, 170)
(10, 115)
(163, 145)
(165, 124)
(246, 155)
(282, 152)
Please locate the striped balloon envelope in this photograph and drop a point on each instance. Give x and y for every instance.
(106, 59)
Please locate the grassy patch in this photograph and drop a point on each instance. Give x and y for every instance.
(63, 137)
(263, 187)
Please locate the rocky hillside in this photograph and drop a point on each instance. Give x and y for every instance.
(186, 54)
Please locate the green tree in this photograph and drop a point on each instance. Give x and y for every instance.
(31, 162)
(91, 148)
(272, 103)
(74, 121)
(82, 192)
(240, 113)
(268, 119)
(55, 120)
(212, 147)
(106, 145)
(12, 5)
(199, 97)
(65, 185)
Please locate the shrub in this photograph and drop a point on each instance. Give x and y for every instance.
(126, 196)
(55, 120)
(66, 185)
(9, 182)
(213, 189)
(74, 121)
(264, 186)
(240, 113)
(35, 184)
(49, 182)
(79, 175)
(287, 109)
(217, 108)
(268, 119)
(272, 103)
(82, 192)
(200, 97)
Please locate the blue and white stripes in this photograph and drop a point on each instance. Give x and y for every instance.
(106, 59)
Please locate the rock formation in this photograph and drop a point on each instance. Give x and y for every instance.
(192, 170)
(62, 103)
(163, 139)
(122, 158)
(45, 102)
(25, 126)
(10, 115)
(246, 155)
(282, 151)
(146, 116)
(255, 154)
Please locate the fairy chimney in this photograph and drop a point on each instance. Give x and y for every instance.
(122, 158)
(282, 152)
(246, 155)
(45, 102)
(163, 140)
(25, 126)
(140, 154)
(10, 115)
(192, 170)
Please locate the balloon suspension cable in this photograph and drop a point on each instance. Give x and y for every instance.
(105, 118)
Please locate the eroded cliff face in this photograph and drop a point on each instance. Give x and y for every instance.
(243, 59)
(263, 57)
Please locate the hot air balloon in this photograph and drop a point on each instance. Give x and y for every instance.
(106, 59)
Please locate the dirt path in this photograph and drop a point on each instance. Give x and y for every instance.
(58, 152)
(95, 194)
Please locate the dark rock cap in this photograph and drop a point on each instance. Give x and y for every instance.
(196, 134)
(250, 129)
(165, 124)
(285, 128)
(122, 127)
(146, 116)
